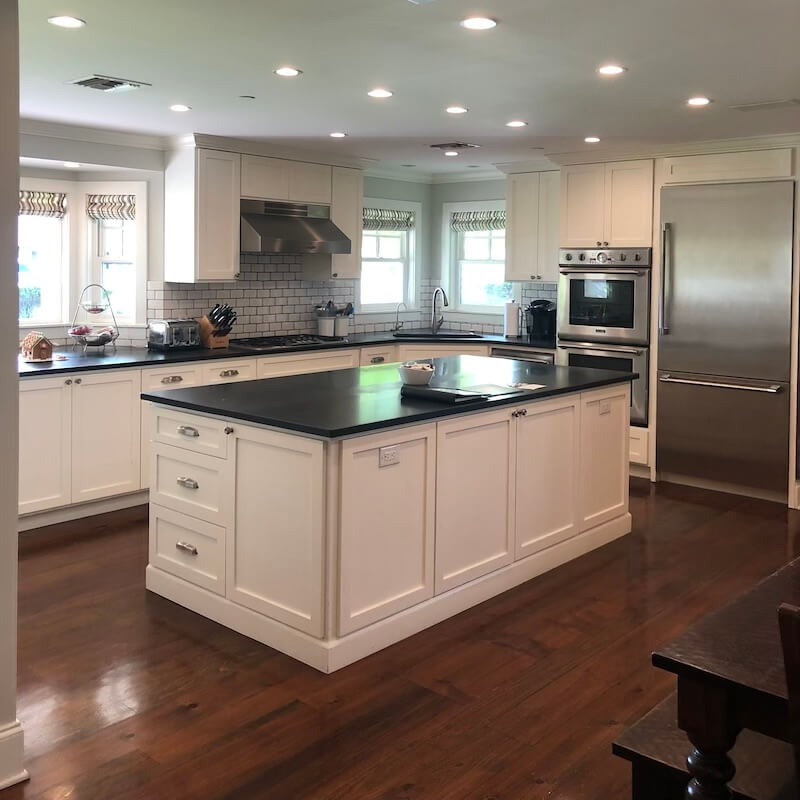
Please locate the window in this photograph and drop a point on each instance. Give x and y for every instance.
(387, 255)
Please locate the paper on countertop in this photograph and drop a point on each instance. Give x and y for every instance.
(529, 386)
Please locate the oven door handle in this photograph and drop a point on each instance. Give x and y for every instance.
(601, 271)
(636, 351)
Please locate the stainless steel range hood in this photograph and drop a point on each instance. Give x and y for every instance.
(291, 228)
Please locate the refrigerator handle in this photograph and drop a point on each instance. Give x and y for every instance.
(663, 324)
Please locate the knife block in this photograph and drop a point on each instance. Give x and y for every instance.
(207, 337)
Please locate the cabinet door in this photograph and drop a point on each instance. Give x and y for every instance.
(309, 183)
(582, 205)
(303, 363)
(410, 352)
(547, 485)
(347, 204)
(388, 486)
(522, 227)
(474, 497)
(44, 443)
(106, 439)
(378, 355)
(604, 455)
(265, 178)
(217, 216)
(549, 226)
(629, 204)
(274, 557)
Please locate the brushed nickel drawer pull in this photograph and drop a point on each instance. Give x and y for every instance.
(229, 373)
(377, 360)
(172, 379)
(188, 430)
(189, 483)
(186, 548)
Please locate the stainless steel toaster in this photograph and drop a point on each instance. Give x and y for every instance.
(172, 334)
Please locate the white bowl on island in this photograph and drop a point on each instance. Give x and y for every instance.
(416, 374)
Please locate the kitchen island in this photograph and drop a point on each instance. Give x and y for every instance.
(328, 517)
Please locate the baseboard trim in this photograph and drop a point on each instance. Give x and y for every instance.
(40, 519)
(334, 653)
(11, 753)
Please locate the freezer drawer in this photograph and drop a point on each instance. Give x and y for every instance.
(724, 430)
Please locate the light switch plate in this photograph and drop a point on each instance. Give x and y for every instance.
(388, 456)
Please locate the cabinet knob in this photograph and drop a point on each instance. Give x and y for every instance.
(68, 381)
(228, 431)
(77, 380)
(335, 275)
(599, 244)
(605, 244)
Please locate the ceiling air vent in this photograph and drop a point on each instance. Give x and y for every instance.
(105, 83)
(454, 146)
(768, 105)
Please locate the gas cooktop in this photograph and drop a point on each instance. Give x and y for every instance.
(261, 344)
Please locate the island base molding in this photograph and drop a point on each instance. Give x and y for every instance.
(333, 654)
(11, 752)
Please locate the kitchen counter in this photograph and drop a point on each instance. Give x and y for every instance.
(142, 357)
(325, 517)
(351, 401)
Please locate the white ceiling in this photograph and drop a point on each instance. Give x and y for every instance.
(537, 65)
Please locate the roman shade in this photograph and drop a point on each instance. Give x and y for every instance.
(111, 206)
(461, 221)
(42, 204)
(387, 219)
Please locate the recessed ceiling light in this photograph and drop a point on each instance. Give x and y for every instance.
(698, 101)
(72, 165)
(592, 139)
(180, 107)
(478, 23)
(67, 22)
(516, 123)
(380, 93)
(288, 72)
(456, 110)
(611, 69)
(337, 135)
(451, 153)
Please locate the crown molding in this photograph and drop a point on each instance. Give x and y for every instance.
(468, 176)
(76, 133)
(536, 164)
(435, 178)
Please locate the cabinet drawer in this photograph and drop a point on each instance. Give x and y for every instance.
(157, 380)
(189, 431)
(303, 363)
(229, 371)
(378, 355)
(191, 483)
(189, 548)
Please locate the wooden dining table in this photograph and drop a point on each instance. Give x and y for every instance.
(731, 677)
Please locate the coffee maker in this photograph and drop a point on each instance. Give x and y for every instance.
(540, 323)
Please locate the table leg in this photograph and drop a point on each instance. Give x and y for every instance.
(707, 713)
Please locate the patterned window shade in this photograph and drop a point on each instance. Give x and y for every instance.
(386, 219)
(111, 206)
(42, 204)
(478, 221)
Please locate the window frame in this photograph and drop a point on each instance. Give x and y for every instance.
(410, 269)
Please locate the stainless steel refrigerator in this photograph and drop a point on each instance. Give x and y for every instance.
(724, 334)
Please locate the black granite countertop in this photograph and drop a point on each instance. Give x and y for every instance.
(76, 361)
(346, 402)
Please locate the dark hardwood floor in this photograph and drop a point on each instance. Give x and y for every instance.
(125, 696)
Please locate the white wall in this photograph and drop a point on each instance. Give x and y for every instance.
(11, 770)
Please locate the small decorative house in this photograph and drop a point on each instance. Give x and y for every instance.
(37, 347)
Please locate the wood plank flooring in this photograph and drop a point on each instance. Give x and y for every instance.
(126, 696)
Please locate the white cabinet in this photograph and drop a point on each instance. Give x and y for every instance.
(532, 226)
(201, 216)
(302, 363)
(547, 488)
(605, 420)
(388, 487)
(278, 179)
(379, 354)
(639, 440)
(347, 214)
(474, 506)
(607, 205)
(274, 562)
(45, 443)
(750, 165)
(413, 352)
(106, 443)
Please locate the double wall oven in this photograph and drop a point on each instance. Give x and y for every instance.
(604, 315)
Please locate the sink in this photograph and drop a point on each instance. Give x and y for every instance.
(426, 335)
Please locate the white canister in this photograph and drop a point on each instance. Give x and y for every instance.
(341, 326)
(326, 326)
(511, 319)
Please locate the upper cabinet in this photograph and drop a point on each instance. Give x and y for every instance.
(277, 179)
(532, 226)
(347, 214)
(201, 215)
(607, 205)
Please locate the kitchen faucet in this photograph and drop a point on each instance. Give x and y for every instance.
(397, 323)
(437, 323)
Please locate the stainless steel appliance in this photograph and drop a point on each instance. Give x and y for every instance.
(724, 335)
(540, 323)
(626, 358)
(604, 295)
(173, 334)
(263, 344)
(522, 354)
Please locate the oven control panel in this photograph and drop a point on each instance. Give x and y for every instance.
(632, 257)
